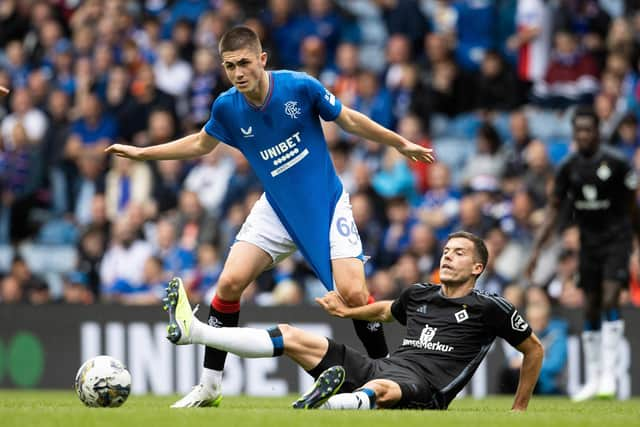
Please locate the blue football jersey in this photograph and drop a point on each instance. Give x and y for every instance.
(284, 143)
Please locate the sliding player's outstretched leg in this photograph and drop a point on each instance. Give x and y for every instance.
(244, 263)
(176, 303)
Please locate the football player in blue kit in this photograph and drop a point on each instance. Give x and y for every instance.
(273, 118)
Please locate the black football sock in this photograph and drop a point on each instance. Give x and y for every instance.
(221, 314)
(372, 336)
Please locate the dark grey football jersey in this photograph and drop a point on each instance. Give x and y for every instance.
(600, 190)
(447, 338)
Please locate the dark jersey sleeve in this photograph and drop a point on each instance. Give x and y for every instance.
(399, 306)
(561, 182)
(507, 323)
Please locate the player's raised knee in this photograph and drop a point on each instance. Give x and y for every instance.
(230, 286)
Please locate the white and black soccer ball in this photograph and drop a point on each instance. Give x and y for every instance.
(103, 382)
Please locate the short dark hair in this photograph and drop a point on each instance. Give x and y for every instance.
(585, 111)
(240, 37)
(480, 249)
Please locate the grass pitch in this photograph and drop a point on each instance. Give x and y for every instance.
(62, 408)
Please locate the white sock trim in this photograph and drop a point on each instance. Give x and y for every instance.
(358, 400)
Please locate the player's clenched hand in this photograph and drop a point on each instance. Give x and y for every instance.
(333, 304)
(123, 150)
(416, 152)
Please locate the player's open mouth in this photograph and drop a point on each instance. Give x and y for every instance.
(446, 267)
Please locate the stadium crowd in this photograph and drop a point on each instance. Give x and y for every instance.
(490, 85)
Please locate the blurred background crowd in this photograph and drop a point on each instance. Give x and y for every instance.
(490, 85)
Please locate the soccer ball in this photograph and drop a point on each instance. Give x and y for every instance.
(103, 382)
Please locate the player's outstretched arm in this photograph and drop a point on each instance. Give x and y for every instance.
(357, 123)
(333, 304)
(533, 353)
(188, 147)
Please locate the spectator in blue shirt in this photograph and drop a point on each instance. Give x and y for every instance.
(94, 131)
(553, 334)
(287, 31)
(372, 100)
(176, 260)
(475, 29)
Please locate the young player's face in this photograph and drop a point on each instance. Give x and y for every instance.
(244, 68)
(458, 263)
(585, 133)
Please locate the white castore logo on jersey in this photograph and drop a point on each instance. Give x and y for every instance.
(291, 109)
(518, 323)
(247, 133)
(426, 341)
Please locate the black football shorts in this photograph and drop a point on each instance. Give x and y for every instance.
(360, 369)
(608, 261)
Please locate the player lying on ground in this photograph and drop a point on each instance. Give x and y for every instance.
(450, 329)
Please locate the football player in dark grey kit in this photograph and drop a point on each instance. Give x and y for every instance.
(600, 186)
(450, 328)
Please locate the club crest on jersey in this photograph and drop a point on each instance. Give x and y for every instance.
(518, 323)
(461, 315)
(291, 109)
(603, 172)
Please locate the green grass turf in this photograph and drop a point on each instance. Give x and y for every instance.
(62, 408)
